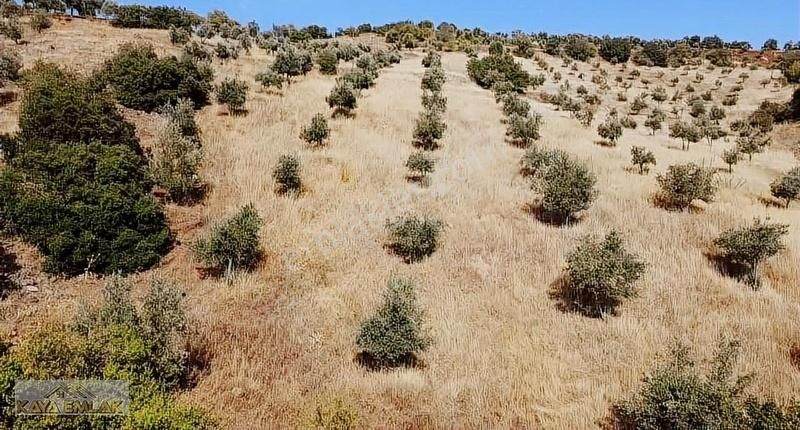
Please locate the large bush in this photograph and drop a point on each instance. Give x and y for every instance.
(291, 62)
(327, 61)
(579, 49)
(683, 183)
(140, 80)
(412, 237)
(601, 274)
(396, 332)
(677, 395)
(495, 68)
(142, 345)
(232, 244)
(76, 185)
(748, 246)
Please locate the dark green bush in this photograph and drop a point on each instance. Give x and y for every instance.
(748, 246)
(566, 187)
(327, 61)
(601, 275)
(683, 183)
(515, 105)
(78, 189)
(615, 50)
(419, 165)
(232, 244)
(429, 128)
(434, 101)
(396, 333)
(493, 68)
(287, 174)
(579, 49)
(641, 157)
(160, 17)
(10, 65)
(232, 92)
(361, 79)
(412, 237)
(317, 132)
(179, 36)
(432, 59)
(140, 80)
(342, 97)
(433, 79)
(269, 79)
(676, 395)
(611, 130)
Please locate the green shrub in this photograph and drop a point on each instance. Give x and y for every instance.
(654, 120)
(566, 186)
(232, 244)
(748, 246)
(639, 104)
(580, 49)
(698, 108)
(194, 51)
(676, 395)
(232, 92)
(731, 157)
(787, 187)
(433, 79)
(40, 21)
(342, 98)
(413, 238)
(686, 132)
(140, 80)
(179, 36)
(610, 130)
(334, 415)
(428, 130)
(327, 61)
(683, 183)
(434, 101)
(515, 105)
(175, 164)
(291, 62)
(12, 29)
(76, 185)
(396, 333)
(269, 79)
(432, 59)
(641, 157)
(317, 132)
(160, 17)
(493, 68)
(524, 130)
(360, 79)
(601, 275)
(10, 65)
(287, 174)
(419, 165)
(615, 50)
(182, 115)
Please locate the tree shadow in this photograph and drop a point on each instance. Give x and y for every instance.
(423, 181)
(8, 267)
(408, 361)
(555, 220)
(605, 143)
(727, 268)
(771, 202)
(7, 97)
(568, 301)
(343, 113)
(517, 143)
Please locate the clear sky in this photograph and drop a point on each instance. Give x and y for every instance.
(753, 21)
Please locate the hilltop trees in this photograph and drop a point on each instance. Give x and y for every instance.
(615, 50)
(498, 67)
(76, 185)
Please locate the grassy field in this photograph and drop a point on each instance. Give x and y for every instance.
(280, 340)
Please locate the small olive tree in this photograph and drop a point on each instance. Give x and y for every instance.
(269, 79)
(412, 237)
(419, 165)
(287, 174)
(232, 244)
(748, 246)
(327, 60)
(317, 131)
(342, 98)
(731, 157)
(428, 130)
(642, 157)
(787, 187)
(232, 92)
(601, 275)
(610, 130)
(396, 332)
(683, 183)
(524, 130)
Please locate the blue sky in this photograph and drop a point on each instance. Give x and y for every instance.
(753, 21)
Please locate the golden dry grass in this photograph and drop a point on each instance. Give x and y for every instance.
(281, 339)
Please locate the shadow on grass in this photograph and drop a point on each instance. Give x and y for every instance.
(568, 301)
(771, 202)
(343, 113)
(423, 181)
(555, 220)
(728, 268)
(368, 361)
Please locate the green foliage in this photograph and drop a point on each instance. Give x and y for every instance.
(342, 97)
(76, 185)
(269, 79)
(683, 183)
(610, 129)
(232, 244)
(686, 132)
(493, 68)
(287, 174)
(334, 415)
(434, 101)
(641, 157)
(40, 21)
(327, 61)
(396, 333)
(580, 49)
(10, 65)
(432, 59)
(566, 186)
(412, 237)
(654, 120)
(659, 94)
(182, 115)
(232, 92)
(615, 50)
(419, 164)
(601, 275)
(175, 163)
(749, 245)
(731, 157)
(179, 36)
(429, 128)
(317, 132)
(140, 80)
(360, 78)
(12, 29)
(433, 79)
(524, 130)
(653, 53)
(159, 17)
(290, 62)
(720, 57)
(676, 395)
(787, 187)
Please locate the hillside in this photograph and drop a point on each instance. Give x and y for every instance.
(279, 340)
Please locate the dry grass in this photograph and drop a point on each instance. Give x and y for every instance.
(282, 338)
